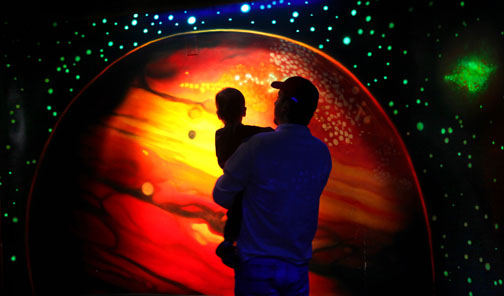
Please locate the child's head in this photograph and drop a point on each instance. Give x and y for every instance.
(230, 105)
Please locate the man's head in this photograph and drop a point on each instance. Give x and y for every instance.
(230, 105)
(297, 100)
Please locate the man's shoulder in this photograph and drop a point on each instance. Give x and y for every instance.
(251, 131)
(321, 145)
(257, 129)
(323, 154)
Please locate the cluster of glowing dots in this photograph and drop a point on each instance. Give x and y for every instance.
(471, 74)
(204, 87)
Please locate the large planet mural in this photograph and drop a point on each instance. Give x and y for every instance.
(121, 201)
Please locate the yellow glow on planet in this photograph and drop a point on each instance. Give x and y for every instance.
(203, 235)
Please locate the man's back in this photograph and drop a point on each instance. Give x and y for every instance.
(285, 173)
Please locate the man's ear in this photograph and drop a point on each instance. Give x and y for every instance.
(285, 108)
(244, 111)
(282, 111)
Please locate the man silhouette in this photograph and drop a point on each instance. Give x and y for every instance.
(282, 175)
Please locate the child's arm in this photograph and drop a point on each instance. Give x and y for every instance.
(218, 149)
(235, 178)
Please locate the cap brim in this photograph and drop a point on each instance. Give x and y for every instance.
(277, 84)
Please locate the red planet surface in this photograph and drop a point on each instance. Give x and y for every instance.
(122, 199)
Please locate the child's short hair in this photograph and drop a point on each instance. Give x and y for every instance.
(230, 104)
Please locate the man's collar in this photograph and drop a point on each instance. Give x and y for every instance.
(292, 127)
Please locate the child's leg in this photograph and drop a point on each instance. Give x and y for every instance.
(227, 250)
(233, 223)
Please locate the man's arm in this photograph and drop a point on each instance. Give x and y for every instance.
(225, 191)
(236, 176)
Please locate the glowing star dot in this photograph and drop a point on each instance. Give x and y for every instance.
(295, 14)
(245, 8)
(347, 40)
(191, 20)
(147, 188)
(471, 74)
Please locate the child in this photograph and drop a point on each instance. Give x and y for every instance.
(231, 110)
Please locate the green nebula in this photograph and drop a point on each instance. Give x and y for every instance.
(471, 74)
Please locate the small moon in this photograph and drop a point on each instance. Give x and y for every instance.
(195, 113)
(147, 188)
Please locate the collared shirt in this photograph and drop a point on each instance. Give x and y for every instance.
(282, 174)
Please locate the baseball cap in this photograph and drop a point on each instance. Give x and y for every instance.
(298, 88)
